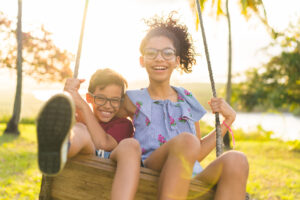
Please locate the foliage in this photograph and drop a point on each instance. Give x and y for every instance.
(277, 83)
(42, 59)
(247, 8)
(294, 145)
(24, 120)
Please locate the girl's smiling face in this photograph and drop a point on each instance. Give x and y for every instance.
(159, 68)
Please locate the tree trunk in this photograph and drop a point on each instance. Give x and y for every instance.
(12, 125)
(226, 138)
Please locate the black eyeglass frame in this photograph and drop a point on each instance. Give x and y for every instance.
(161, 53)
(107, 99)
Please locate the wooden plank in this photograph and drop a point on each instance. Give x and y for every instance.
(45, 192)
(90, 177)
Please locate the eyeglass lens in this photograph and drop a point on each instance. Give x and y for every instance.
(166, 53)
(101, 100)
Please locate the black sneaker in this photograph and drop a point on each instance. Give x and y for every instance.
(54, 123)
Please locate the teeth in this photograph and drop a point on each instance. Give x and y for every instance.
(160, 68)
(106, 112)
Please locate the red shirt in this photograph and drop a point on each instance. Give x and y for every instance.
(118, 128)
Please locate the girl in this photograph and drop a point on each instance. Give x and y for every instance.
(166, 119)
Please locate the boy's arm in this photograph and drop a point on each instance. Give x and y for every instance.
(101, 139)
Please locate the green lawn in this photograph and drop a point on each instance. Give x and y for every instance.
(274, 168)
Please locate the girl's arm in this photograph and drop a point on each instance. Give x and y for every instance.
(208, 143)
(100, 138)
(127, 108)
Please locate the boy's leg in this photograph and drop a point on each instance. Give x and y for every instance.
(229, 173)
(175, 159)
(128, 157)
(80, 141)
(53, 126)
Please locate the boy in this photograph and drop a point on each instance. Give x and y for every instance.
(58, 138)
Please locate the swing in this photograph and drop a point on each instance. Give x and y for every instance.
(91, 177)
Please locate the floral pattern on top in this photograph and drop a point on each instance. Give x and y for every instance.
(165, 117)
(172, 121)
(182, 119)
(138, 108)
(180, 98)
(147, 121)
(187, 93)
(190, 113)
(161, 139)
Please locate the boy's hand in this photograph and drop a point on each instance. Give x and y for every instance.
(72, 86)
(221, 106)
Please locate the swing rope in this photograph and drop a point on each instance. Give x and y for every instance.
(80, 41)
(212, 82)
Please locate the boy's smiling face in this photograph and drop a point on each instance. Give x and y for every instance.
(108, 110)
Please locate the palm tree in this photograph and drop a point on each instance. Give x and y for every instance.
(12, 125)
(246, 5)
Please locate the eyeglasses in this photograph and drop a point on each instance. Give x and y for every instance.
(167, 53)
(101, 100)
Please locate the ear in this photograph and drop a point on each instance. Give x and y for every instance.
(88, 98)
(178, 60)
(142, 61)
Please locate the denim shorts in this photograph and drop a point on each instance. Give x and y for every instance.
(102, 154)
(105, 154)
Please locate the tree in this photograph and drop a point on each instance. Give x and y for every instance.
(13, 122)
(253, 6)
(277, 83)
(34, 54)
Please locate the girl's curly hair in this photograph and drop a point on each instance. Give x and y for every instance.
(177, 33)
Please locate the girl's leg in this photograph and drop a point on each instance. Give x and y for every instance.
(128, 157)
(229, 174)
(81, 141)
(175, 160)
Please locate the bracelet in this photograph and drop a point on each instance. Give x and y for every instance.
(229, 129)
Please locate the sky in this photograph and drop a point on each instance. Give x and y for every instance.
(114, 30)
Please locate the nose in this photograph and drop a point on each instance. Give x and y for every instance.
(107, 105)
(159, 56)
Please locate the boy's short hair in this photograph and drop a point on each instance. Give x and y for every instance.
(105, 77)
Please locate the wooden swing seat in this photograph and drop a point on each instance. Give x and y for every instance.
(90, 177)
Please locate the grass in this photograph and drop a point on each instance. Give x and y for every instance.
(19, 175)
(274, 167)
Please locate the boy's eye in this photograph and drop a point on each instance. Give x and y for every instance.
(100, 98)
(115, 100)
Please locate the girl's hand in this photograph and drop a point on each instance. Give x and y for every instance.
(221, 106)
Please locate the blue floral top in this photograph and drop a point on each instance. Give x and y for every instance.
(157, 121)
